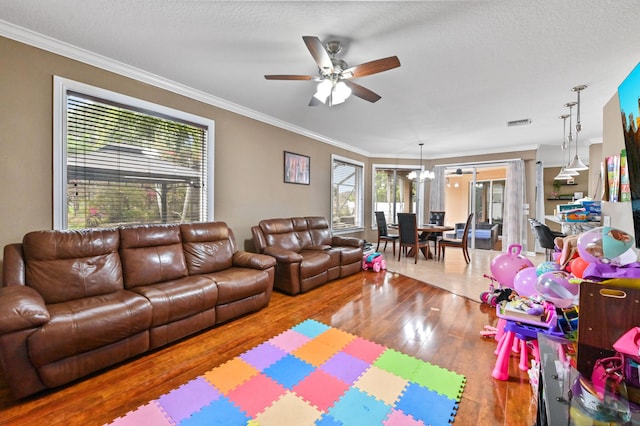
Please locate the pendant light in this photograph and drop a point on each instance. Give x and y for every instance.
(577, 163)
(563, 174)
(422, 174)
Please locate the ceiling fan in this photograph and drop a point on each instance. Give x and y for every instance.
(459, 172)
(335, 75)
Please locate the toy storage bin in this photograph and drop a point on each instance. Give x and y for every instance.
(606, 313)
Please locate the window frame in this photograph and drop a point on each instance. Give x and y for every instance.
(61, 87)
(360, 167)
(400, 168)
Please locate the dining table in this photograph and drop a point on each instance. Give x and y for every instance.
(424, 231)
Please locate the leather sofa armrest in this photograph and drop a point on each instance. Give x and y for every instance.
(258, 239)
(13, 267)
(244, 259)
(21, 308)
(282, 255)
(347, 241)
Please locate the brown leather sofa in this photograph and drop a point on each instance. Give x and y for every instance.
(75, 302)
(306, 252)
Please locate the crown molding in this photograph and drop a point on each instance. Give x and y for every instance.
(67, 50)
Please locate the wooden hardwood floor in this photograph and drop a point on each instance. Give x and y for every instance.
(399, 312)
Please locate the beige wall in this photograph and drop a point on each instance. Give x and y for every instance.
(248, 153)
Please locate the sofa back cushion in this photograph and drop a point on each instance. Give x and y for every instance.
(151, 254)
(280, 233)
(301, 229)
(208, 247)
(69, 265)
(319, 230)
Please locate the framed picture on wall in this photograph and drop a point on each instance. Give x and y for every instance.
(296, 168)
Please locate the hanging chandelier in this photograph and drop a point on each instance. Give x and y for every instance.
(422, 174)
(577, 164)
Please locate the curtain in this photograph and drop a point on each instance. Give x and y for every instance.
(436, 190)
(514, 230)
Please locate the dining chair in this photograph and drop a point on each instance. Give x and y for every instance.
(546, 237)
(409, 238)
(459, 243)
(435, 218)
(383, 233)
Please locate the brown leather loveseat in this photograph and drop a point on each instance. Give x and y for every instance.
(306, 252)
(75, 302)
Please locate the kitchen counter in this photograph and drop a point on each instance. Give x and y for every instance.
(573, 228)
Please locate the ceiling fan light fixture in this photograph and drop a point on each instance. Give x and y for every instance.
(323, 91)
(340, 93)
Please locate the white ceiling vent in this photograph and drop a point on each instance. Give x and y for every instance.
(515, 123)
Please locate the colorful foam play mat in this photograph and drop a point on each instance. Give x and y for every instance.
(312, 374)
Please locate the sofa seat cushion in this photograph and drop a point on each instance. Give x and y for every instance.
(314, 262)
(240, 283)
(85, 324)
(349, 255)
(178, 299)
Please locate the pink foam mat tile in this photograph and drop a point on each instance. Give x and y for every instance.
(398, 418)
(289, 341)
(148, 414)
(321, 389)
(364, 349)
(257, 393)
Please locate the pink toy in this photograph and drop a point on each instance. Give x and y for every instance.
(374, 261)
(505, 266)
(525, 282)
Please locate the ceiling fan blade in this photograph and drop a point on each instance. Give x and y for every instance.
(362, 92)
(372, 67)
(319, 53)
(290, 77)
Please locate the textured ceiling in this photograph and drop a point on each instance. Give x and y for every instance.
(467, 68)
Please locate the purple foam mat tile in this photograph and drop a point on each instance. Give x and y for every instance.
(345, 367)
(188, 398)
(289, 341)
(263, 356)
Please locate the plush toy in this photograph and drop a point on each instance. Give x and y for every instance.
(568, 249)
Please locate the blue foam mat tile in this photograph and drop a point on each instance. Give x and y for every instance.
(427, 406)
(328, 420)
(311, 328)
(221, 412)
(289, 371)
(357, 408)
